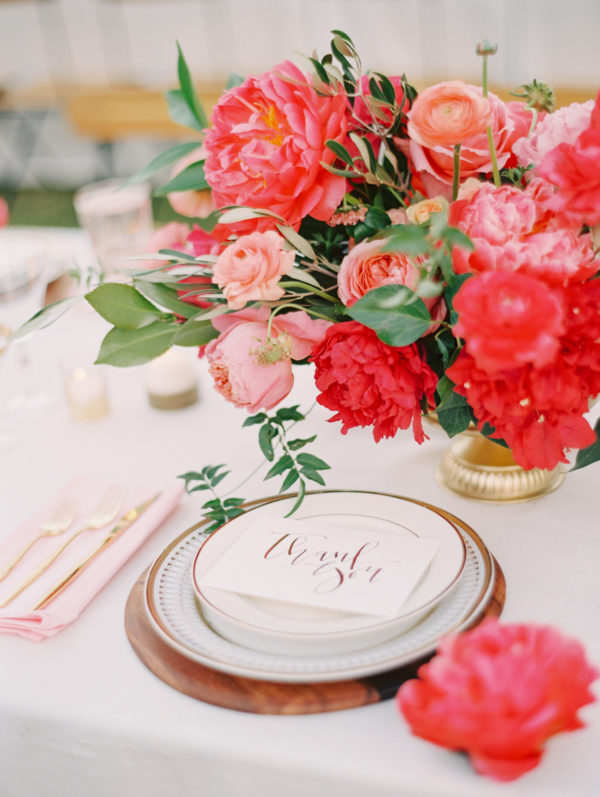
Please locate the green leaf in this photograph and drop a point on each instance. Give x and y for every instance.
(124, 347)
(585, 456)
(233, 215)
(298, 242)
(255, 419)
(313, 475)
(407, 238)
(233, 502)
(44, 317)
(165, 297)
(394, 312)
(180, 112)
(289, 414)
(189, 92)
(233, 80)
(199, 487)
(455, 237)
(292, 476)
(312, 462)
(452, 288)
(301, 494)
(454, 414)
(299, 442)
(283, 463)
(190, 179)
(218, 479)
(211, 470)
(340, 150)
(122, 305)
(194, 333)
(265, 437)
(165, 159)
(190, 475)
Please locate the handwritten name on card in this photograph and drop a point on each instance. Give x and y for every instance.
(303, 561)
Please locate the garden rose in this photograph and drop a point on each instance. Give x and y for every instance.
(195, 204)
(562, 125)
(254, 371)
(368, 383)
(498, 693)
(267, 143)
(508, 320)
(434, 161)
(420, 212)
(251, 267)
(575, 169)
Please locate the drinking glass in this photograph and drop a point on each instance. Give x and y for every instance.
(118, 219)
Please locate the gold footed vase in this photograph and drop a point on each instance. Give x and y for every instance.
(476, 467)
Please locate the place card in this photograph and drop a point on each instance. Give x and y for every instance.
(307, 562)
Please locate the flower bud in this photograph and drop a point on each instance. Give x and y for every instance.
(485, 48)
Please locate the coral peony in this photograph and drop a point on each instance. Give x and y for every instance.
(575, 169)
(195, 204)
(432, 139)
(508, 320)
(4, 213)
(498, 693)
(561, 126)
(368, 383)
(254, 370)
(251, 267)
(267, 143)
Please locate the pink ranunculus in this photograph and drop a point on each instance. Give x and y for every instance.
(560, 126)
(498, 693)
(4, 213)
(195, 204)
(251, 370)
(435, 161)
(575, 170)
(267, 143)
(508, 320)
(250, 268)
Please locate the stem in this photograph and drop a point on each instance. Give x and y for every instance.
(456, 175)
(308, 288)
(308, 310)
(492, 147)
(484, 76)
(534, 119)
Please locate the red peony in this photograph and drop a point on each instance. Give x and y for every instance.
(575, 169)
(508, 320)
(368, 383)
(267, 143)
(498, 693)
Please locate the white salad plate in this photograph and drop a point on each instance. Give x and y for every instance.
(172, 607)
(288, 628)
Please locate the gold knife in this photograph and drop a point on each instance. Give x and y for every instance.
(116, 531)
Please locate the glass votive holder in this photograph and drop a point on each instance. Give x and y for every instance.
(171, 381)
(118, 220)
(86, 394)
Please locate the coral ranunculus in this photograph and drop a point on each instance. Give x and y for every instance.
(368, 383)
(251, 267)
(508, 320)
(267, 143)
(498, 693)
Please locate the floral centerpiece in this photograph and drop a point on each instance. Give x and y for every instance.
(427, 253)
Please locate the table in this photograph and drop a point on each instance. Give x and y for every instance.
(80, 714)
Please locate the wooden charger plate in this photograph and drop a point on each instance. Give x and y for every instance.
(268, 697)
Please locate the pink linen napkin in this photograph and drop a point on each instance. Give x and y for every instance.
(18, 617)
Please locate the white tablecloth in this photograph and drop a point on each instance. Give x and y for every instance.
(80, 714)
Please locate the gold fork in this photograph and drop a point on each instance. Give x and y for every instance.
(101, 516)
(57, 524)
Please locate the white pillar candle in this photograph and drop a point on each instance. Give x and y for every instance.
(171, 381)
(86, 395)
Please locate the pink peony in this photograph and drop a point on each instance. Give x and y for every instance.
(563, 125)
(498, 693)
(575, 169)
(250, 268)
(267, 143)
(508, 320)
(434, 160)
(254, 371)
(4, 213)
(195, 204)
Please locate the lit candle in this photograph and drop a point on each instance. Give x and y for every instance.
(171, 381)
(86, 395)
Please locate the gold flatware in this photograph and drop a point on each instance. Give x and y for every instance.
(118, 529)
(105, 513)
(57, 524)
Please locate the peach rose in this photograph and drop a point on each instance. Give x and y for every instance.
(448, 113)
(252, 371)
(250, 268)
(421, 211)
(195, 204)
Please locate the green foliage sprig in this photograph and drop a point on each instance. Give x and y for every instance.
(217, 510)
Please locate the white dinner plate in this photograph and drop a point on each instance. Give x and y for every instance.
(172, 608)
(291, 629)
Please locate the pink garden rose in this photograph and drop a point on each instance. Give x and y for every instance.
(250, 268)
(563, 125)
(195, 204)
(498, 693)
(266, 146)
(252, 371)
(448, 117)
